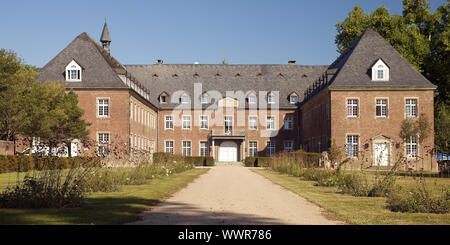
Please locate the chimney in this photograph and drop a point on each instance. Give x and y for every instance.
(159, 62)
(292, 62)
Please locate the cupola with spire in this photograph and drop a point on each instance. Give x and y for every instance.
(105, 39)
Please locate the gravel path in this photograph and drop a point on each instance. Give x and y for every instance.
(234, 195)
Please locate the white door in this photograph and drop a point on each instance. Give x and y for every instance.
(228, 152)
(381, 154)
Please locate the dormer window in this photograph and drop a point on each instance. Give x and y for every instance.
(380, 71)
(73, 72)
(251, 97)
(204, 98)
(184, 99)
(270, 98)
(293, 98)
(163, 97)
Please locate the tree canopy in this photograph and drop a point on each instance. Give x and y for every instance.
(30, 108)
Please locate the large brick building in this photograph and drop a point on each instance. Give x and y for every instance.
(234, 111)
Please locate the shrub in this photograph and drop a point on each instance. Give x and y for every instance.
(103, 180)
(256, 161)
(418, 200)
(22, 163)
(110, 179)
(47, 189)
(200, 161)
(355, 184)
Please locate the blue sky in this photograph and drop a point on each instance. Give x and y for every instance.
(179, 32)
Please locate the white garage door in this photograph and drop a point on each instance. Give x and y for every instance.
(228, 152)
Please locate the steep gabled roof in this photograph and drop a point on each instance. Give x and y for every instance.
(101, 70)
(354, 65)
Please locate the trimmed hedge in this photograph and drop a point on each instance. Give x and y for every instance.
(308, 159)
(256, 162)
(161, 157)
(21, 163)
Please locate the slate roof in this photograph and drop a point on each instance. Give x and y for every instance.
(175, 77)
(350, 70)
(100, 70)
(354, 65)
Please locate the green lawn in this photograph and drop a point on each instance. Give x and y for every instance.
(358, 210)
(102, 208)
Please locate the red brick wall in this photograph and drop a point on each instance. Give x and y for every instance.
(367, 125)
(315, 123)
(119, 124)
(195, 135)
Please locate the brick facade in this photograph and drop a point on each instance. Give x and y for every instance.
(215, 131)
(369, 127)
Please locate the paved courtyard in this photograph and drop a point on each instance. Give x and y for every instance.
(234, 195)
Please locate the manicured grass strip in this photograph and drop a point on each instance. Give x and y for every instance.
(105, 208)
(351, 210)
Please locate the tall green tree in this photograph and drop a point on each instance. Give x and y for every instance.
(53, 115)
(30, 108)
(15, 78)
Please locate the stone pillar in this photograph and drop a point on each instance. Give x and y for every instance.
(243, 150)
(213, 150)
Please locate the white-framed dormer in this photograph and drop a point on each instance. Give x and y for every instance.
(204, 98)
(293, 98)
(73, 72)
(251, 97)
(163, 97)
(185, 99)
(270, 97)
(380, 71)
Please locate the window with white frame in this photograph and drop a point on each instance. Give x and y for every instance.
(411, 107)
(103, 107)
(271, 98)
(252, 99)
(73, 72)
(184, 99)
(253, 122)
(204, 98)
(380, 71)
(203, 122)
(163, 98)
(411, 147)
(270, 148)
(168, 147)
(352, 145)
(103, 144)
(381, 107)
(288, 122)
(293, 98)
(352, 108)
(186, 122)
(288, 145)
(253, 148)
(204, 148)
(270, 122)
(186, 148)
(168, 122)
